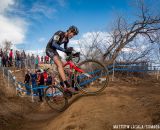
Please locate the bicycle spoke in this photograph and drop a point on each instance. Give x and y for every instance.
(94, 79)
(55, 98)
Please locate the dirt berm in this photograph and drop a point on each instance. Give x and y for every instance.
(122, 103)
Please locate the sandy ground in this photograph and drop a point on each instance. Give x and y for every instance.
(122, 103)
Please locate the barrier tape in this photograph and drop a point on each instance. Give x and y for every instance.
(36, 87)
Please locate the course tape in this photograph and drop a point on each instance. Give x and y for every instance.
(36, 87)
(29, 88)
(114, 67)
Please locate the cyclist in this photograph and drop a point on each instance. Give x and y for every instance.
(53, 45)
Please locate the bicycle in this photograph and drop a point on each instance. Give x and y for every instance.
(88, 77)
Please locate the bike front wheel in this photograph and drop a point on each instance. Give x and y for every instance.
(56, 98)
(95, 77)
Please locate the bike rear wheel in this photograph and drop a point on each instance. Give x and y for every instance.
(56, 98)
(94, 79)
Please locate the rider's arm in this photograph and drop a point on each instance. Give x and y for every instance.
(65, 45)
(56, 46)
(55, 39)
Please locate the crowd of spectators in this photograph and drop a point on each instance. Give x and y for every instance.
(34, 77)
(37, 79)
(20, 59)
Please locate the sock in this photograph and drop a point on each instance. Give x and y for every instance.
(62, 84)
(67, 84)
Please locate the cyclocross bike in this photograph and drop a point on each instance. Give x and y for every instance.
(88, 77)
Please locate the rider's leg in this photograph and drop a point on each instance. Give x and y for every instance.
(59, 65)
(55, 56)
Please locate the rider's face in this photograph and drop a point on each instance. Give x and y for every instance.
(70, 35)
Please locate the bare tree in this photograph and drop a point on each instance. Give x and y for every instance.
(137, 51)
(7, 45)
(125, 36)
(147, 25)
(91, 47)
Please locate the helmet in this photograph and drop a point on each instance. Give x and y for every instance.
(73, 29)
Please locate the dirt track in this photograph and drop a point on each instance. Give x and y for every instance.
(121, 103)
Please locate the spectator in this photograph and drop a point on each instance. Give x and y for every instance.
(42, 59)
(33, 81)
(10, 57)
(46, 59)
(32, 61)
(40, 83)
(23, 59)
(49, 80)
(45, 74)
(18, 59)
(36, 62)
(28, 61)
(1, 53)
(4, 59)
(27, 81)
(0, 61)
(39, 59)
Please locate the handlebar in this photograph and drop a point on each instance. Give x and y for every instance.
(73, 56)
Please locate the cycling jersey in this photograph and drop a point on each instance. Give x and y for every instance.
(54, 44)
(58, 39)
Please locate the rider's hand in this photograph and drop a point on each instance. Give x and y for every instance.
(69, 50)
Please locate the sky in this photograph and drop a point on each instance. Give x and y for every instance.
(29, 24)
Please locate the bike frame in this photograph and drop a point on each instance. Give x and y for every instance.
(72, 69)
(73, 66)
